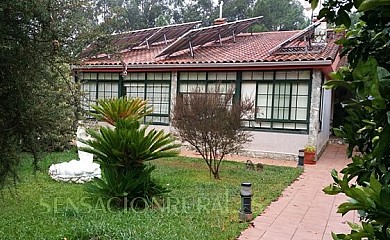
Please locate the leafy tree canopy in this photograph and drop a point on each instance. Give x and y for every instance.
(129, 15)
(39, 102)
(367, 129)
(280, 15)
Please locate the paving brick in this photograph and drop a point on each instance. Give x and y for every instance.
(304, 212)
(273, 235)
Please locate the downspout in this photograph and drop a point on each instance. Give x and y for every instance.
(124, 68)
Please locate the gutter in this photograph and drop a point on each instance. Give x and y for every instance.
(318, 63)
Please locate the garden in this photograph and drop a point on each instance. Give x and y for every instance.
(171, 197)
(40, 109)
(196, 206)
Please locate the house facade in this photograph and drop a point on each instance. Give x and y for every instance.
(282, 72)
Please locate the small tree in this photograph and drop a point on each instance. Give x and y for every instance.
(211, 123)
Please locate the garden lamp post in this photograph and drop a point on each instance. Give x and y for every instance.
(301, 156)
(245, 213)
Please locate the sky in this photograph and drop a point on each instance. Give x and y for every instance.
(305, 4)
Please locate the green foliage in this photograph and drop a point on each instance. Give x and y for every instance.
(202, 10)
(39, 101)
(236, 9)
(129, 144)
(123, 150)
(112, 110)
(196, 207)
(367, 129)
(120, 187)
(119, 16)
(372, 202)
(310, 148)
(289, 14)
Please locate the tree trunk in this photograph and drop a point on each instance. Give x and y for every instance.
(216, 175)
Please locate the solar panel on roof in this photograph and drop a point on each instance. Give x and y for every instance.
(129, 40)
(298, 35)
(198, 37)
(119, 41)
(169, 32)
(132, 39)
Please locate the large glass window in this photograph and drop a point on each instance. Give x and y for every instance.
(98, 85)
(282, 99)
(108, 85)
(155, 88)
(202, 82)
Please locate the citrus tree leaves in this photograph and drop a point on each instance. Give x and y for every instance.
(366, 179)
(367, 5)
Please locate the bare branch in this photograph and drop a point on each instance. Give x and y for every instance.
(211, 123)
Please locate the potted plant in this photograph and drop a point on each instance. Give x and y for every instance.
(310, 154)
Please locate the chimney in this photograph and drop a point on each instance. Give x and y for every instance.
(219, 21)
(320, 32)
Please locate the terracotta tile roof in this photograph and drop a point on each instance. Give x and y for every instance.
(247, 48)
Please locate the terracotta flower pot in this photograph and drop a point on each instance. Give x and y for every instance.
(309, 158)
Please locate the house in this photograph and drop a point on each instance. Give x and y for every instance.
(283, 72)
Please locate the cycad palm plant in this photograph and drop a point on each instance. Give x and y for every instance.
(123, 151)
(112, 110)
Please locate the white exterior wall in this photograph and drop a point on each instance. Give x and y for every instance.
(323, 136)
(275, 145)
(314, 124)
(173, 92)
(319, 135)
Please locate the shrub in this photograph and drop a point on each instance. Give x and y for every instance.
(211, 123)
(122, 152)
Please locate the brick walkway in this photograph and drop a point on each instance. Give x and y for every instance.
(304, 212)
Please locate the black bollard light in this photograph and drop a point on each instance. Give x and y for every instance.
(301, 156)
(245, 213)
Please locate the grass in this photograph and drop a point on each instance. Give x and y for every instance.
(197, 207)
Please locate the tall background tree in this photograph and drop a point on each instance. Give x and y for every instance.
(39, 102)
(280, 15)
(366, 180)
(237, 9)
(201, 10)
(120, 15)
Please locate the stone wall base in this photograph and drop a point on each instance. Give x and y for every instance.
(269, 155)
(256, 154)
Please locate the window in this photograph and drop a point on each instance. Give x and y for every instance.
(98, 85)
(88, 88)
(108, 85)
(155, 88)
(207, 82)
(281, 98)
(192, 82)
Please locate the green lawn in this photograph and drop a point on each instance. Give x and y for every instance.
(197, 207)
